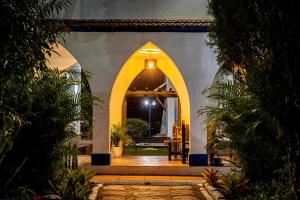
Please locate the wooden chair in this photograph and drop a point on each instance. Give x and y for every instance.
(179, 145)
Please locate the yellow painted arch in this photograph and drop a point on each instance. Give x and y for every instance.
(132, 68)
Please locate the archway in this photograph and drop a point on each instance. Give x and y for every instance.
(132, 68)
(61, 59)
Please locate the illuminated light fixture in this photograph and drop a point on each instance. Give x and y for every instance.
(150, 63)
(149, 103)
(150, 51)
(146, 102)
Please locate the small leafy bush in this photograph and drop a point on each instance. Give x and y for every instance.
(271, 190)
(73, 184)
(233, 185)
(211, 176)
(136, 128)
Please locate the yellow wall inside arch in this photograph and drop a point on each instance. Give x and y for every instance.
(133, 66)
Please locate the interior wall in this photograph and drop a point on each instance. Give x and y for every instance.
(103, 54)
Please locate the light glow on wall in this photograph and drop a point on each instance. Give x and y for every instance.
(132, 68)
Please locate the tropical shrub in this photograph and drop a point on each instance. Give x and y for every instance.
(273, 190)
(72, 184)
(136, 128)
(47, 124)
(24, 43)
(257, 41)
(233, 185)
(244, 128)
(211, 176)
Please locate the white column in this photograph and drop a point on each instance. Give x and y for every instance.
(171, 111)
(164, 121)
(76, 89)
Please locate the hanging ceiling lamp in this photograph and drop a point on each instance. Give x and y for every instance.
(150, 63)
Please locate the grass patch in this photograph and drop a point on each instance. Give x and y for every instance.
(145, 151)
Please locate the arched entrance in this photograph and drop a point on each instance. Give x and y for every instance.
(61, 59)
(132, 68)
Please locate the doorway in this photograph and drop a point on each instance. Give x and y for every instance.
(137, 87)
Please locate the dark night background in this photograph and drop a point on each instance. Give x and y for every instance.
(146, 80)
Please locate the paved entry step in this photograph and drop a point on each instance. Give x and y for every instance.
(151, 170)
(150, 180)
(149, 192)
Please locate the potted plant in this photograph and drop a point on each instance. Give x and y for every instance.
(118, 135)
(217, 143)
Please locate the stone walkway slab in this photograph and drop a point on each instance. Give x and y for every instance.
(149, 192)
(121, 179)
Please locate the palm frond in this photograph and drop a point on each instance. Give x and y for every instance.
(240, 123)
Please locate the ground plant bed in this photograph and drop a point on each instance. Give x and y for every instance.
(145, 151)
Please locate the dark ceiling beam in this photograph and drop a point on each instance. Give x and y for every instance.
(140, 93)
(138, 25)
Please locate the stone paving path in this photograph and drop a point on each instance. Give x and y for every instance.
(148, 192)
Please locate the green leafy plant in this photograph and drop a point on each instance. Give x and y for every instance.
(136, 128)
(24, 44)
(240, 125)
(232, 185)
(73, 184)
(257, 42)
(272, 190)
(211, 176)
(48, 123)
(118, 135)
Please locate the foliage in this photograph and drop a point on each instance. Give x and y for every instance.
(215, 140)
(242, 125)
(232, 185)
(20, 193)
(216, 145)
(67, 156)
(26, 34)
(257, 41)
(272, 190)
(211, 176)
(87, 108)
(47, 123)
(27, 30)
(72, 184)
(280, 187)
(118, 135)
(136, 128)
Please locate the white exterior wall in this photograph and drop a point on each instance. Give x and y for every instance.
(103, 54)
(136, 9)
